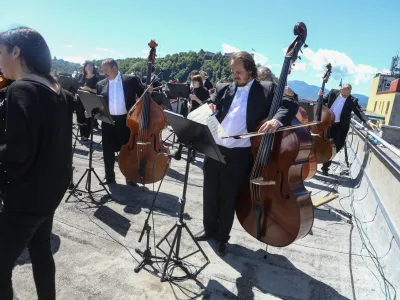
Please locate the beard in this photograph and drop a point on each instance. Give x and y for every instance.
(243, 82)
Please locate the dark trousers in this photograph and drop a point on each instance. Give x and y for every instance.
(84, 123)
(114, 137)
(16, 233)
(339, 137)
(222, 183)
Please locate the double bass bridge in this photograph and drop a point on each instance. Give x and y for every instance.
(143, 143)
(261, 181)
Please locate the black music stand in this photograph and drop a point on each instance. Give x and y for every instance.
(96, 107)
(162, 100)
(197, 137)
(178, 91)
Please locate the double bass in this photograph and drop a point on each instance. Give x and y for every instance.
(144, 159)
(275, 207)
(310, 168)
(323, 144)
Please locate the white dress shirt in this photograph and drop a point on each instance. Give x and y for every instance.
(116, 97)
(337, 107)
(234, 122)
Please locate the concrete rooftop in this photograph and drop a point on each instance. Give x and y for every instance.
(94, 245)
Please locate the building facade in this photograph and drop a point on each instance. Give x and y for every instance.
(384, 98)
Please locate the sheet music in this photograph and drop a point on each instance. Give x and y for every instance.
(203, 116)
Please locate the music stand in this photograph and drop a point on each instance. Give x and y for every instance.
(197, 137)
(96, 107)
(162, 100)
(178, 91)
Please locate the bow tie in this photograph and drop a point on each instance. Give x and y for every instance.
(243, 88)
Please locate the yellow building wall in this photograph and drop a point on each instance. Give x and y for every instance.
(380, 103)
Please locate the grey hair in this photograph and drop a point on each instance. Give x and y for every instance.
(265, 74)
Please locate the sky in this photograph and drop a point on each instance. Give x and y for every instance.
(358, 38)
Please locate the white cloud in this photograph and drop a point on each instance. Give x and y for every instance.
(342, 65)
(229, 49)
(385, 71)
(105, 50)
(67, 46)
(259, 58)
(82, 58)
(299, 66)
(75, 59)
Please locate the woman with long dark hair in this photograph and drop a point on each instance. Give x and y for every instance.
(198, 95)
(88, 83)
(35, 152)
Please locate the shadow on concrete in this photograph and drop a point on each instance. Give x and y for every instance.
(137, 198)
(114, 220)
(320, 187)
(274, 275)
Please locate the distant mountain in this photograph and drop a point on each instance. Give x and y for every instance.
(309, 92)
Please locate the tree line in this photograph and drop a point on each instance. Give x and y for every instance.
(176, 66)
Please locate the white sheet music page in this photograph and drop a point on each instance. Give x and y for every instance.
(203, 116)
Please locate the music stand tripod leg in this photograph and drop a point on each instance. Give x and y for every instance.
(89, 172)
(146, 254)
(177, 238)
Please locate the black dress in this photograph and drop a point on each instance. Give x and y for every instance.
(203, 94)
(80, 110)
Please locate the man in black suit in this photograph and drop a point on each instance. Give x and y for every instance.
(206, 82)
(240, 107)
(342, 103)
(264, 74)
(156, 83)
(120, 92)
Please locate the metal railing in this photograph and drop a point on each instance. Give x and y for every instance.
(366, 133)
(377, 137)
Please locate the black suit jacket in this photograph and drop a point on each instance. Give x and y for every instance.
(208, 85)
(351, 105)
(132, 88)
(259, 102)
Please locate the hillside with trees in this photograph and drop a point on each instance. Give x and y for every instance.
(176, 66)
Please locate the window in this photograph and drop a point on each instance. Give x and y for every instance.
(387, 108)
(376, 102)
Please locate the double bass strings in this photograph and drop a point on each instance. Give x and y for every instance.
(267, 140)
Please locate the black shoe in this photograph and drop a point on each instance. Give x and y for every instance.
(203, 236)
(178, 155)
(222, 248)
(325, 172)
(131, 183)
(108, 181)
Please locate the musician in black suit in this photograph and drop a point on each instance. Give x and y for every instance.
(120, 92)
(342, 103)
(206, 82)
(198, 95)
(240, 107)
(156, 82)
